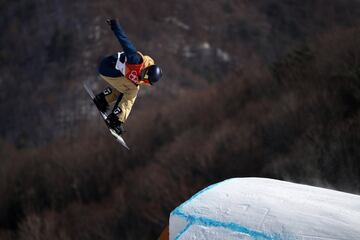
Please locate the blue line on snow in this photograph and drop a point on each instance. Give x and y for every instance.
(214, 223)
(183, 231)
(200, 193)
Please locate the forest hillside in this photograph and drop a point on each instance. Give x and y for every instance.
(251, 88)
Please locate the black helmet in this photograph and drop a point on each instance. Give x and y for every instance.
(153, 73)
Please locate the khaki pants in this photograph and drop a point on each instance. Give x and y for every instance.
(129, 91)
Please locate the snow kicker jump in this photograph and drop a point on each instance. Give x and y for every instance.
(266, 209)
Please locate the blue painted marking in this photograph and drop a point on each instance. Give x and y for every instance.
(183, 231)
(200, 193)
(214, 223)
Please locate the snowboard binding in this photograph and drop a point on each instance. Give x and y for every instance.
(101, 102)
(113, 122)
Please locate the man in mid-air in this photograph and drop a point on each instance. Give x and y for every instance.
(125, 72)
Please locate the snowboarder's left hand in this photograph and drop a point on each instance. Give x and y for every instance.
(113, 23)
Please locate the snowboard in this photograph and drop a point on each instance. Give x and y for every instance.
(117, 136)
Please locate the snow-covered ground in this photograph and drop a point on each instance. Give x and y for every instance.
(264, 209)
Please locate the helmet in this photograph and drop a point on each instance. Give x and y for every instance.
(152, 73)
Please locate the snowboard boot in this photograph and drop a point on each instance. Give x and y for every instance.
(113, 122)
(101, 102)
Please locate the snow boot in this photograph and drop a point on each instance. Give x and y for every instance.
(113, 122)
(101, 102)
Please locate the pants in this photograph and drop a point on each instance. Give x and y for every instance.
(129, 91)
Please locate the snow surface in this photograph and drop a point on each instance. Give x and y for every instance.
(266, 209)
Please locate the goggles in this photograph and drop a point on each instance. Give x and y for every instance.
(144, 76)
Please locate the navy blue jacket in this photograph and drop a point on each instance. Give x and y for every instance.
(107, 65)
(129, 49)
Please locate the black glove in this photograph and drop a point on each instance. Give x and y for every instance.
(114, 24)
(113, 122)
(101, 102)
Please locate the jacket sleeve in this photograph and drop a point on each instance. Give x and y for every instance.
(129, 49)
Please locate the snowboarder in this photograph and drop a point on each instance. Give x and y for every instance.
(125, 72)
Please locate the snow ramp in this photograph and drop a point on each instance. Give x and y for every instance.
(267, 209)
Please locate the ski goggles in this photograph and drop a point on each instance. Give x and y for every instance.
(144, 76)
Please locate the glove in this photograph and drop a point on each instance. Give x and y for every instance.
(114, 24)
(113, 122)
(101, 102)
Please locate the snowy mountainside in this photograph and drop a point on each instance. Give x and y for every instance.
(266, 209)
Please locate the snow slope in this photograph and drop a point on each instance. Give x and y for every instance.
(259, 208)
